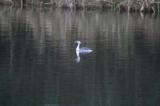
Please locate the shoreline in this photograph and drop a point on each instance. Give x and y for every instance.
(97, 5)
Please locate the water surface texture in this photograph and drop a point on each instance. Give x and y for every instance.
(38, 64)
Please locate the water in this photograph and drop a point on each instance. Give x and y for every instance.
(38, 64)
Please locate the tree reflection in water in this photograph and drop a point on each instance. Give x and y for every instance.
(37, 55)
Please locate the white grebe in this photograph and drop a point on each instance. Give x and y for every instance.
(82, 49)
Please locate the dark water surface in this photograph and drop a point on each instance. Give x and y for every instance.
(38, 61)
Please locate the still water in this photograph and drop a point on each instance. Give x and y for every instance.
(38, 64)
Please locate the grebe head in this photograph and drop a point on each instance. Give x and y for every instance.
(79, 42)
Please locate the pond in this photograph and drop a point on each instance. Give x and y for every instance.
(39, 67)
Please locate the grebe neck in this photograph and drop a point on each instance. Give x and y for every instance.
(78, 46)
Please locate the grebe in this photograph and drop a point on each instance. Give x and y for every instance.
(82, 50)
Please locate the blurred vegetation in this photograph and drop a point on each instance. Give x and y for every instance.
(121, 5)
